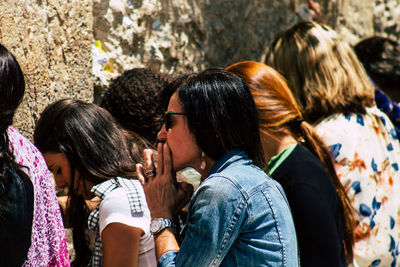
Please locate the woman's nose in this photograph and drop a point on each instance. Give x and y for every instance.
(59, 181)
(162, 134)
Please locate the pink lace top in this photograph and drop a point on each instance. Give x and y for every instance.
(49, 244)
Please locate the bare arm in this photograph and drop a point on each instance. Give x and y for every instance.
(120, 245)
(164, 242)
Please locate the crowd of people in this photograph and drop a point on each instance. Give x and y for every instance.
(289, 162)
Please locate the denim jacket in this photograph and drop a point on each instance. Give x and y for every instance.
(237, 217)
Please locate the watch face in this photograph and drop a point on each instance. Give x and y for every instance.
(155, 225)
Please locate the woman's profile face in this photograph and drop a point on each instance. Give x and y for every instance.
(60, 167)
(184, 150)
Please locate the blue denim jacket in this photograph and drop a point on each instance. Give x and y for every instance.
(237, 217)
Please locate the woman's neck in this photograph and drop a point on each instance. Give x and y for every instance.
(273, 145)
(91, 204)
(209, 163)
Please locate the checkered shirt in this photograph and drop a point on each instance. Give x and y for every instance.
(102, 190)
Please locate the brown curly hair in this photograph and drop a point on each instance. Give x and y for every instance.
(133, 98)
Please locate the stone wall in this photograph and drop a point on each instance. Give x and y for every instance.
(52, 42)
(359, 19)
(185, 35)
(75, 47)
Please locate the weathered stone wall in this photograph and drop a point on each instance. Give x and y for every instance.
(359, 19)
(185, 35)
(52, 42)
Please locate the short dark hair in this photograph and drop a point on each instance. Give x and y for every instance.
(133, 98)
(381, 59)
(221, 113)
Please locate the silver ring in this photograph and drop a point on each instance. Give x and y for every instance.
(151, 173)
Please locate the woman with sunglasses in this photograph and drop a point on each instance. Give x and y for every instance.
(238, 215)
(89, 154)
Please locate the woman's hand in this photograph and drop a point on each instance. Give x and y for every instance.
(164, 195)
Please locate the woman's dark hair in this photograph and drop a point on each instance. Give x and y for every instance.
(380, 57)
(94, 145)
(133, 99)
(88, 136)
(221, 113)
(12, 89)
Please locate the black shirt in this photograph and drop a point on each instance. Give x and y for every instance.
(16, 196)
(315, 208)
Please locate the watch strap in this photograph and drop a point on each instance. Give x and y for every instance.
(159, 224)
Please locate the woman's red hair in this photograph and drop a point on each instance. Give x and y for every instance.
(280, 115)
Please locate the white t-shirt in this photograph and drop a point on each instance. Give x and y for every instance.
(114, 208)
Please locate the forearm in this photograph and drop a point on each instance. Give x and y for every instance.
(165, 241)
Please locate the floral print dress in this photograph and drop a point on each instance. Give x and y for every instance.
(366, 152)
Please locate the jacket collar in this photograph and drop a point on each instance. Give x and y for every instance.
(227, 159)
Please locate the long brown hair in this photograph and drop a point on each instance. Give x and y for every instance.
(94, 145)
(280, 115)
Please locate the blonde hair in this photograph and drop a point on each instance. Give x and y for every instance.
(322, 70)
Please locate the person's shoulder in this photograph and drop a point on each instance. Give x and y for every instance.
(120, 197)
(217, 189)
(342, 130)
(246, 176)
(237, 186)
(301, 159)
(118, 194)
(381, 118)
(26, 154)
(335, 122)
(301, 167)
(114, 201)
(18, 139)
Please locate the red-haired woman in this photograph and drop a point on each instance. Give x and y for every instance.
(298, 159)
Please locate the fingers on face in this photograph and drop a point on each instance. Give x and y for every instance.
(140, 173)
(149, 168)
(163, 162)
(148, 159)
(160, 157)
(166, 158)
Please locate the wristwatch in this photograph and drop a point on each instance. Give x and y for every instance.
(159, 224)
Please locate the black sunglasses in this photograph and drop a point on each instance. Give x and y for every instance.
(167, 118)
